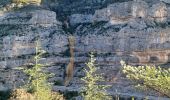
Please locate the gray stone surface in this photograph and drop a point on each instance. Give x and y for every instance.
(80, 18)
(166, 1)
(124, 12)
(44, 17)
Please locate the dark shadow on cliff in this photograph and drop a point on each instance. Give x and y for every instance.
(64, 8)
(5, 95)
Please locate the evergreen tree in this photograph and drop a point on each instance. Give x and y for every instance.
(37, 78)
(93, 90)
(38, 85)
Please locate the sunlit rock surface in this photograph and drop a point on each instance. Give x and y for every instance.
(134, 31)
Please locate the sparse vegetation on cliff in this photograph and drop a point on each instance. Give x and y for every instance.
(27, 1)
(37, 84)
(21, 94)
(151, 77)
(37, 78)
(93, 90)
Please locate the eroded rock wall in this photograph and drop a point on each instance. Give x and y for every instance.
(134, 31)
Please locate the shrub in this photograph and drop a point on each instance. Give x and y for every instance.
(93, 90)
(57, 96)
(21, 94)
(26, 1)
(149, 77)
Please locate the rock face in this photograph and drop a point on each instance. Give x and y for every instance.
(19, 31)
(134, 31)
(166, 1)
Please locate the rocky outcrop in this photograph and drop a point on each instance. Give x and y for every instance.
(121, 13)
(28, 17)
(134, 31)
(136, 26)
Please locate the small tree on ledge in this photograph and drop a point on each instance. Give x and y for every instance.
(37, 78)
(38, 84)
(93, 90)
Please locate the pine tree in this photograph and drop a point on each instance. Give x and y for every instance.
(93, 90)
(38, 85)
(37, 78)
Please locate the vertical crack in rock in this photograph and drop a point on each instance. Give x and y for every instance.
(70, 66)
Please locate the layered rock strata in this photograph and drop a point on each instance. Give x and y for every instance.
(134, 31)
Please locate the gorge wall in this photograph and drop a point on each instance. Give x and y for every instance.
(134, 31)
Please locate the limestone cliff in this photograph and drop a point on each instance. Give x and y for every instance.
(135, 31)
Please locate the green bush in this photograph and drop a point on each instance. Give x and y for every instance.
(93, 90)
(150, 77)
(26, 1)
